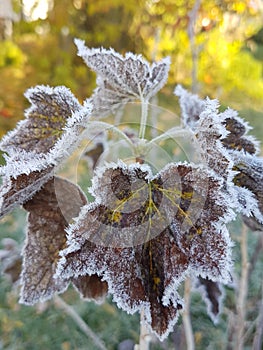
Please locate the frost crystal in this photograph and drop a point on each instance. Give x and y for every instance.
(250, 177)
(46, 137)
(191, 106)
(45, 120)
(209, 132)
(121, 79)
(15, 191)
(145, 233)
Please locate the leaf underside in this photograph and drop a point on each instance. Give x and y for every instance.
(50, 212)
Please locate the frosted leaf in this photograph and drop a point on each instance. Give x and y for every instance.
(46, 137)
(51, 131)
(212, 294)
(46, 236)
(121, 79)
(216, 133)
(50, 110)
(237, 138)
(15, 191)
(145, 233)
(137, 277)
(209, 132)
(250, 177)
(191, 106)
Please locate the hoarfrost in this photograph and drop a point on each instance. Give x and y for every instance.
(51, 131)
(249, 178)
(173, 226)
(191, 106)
(121, 79)
(15, 191)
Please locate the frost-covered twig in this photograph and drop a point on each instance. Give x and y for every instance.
(61, 304)
(243, 287)
(106, 127)
(186, 316)
(144, 116)
(177, 131)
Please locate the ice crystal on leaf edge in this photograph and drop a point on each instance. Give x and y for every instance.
(134, 284)
(40, 143)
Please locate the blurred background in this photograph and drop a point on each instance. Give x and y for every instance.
(216, 50)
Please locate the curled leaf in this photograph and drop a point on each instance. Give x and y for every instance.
(191, 106)
(50, 211)
(91, 287)
(209, 132)
(144, 233)
(121, 79)
(15, 191)
(212, 294)
(230, 128)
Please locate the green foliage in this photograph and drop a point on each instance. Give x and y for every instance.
(11, 55)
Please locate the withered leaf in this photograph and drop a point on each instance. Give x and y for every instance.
(50, 110)
(15, 191)
(121, 79)
(212, 294)
(237, 138)
(39, 143)
(250, 176)
(91, 287)
(228, 127)
(144, 233)
(50, 211)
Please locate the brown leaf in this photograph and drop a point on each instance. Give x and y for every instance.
(50, 211)
(91, 287)
(212, 294)
(145, 233)
(45, 119)
(15, 191)
(250, 176)
(237, 138)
